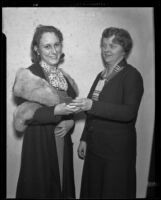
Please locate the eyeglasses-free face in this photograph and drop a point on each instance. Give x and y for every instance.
(111, 51)
(50, 48)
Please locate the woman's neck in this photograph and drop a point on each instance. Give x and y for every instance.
(49, 67)
(111, 66)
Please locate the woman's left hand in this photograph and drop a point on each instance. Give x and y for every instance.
(65, 109)
(63, 128)
(84, 104)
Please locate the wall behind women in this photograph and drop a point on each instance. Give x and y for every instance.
(82, 28)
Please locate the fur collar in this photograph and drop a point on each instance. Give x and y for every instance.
(37, 92)
(33, 88)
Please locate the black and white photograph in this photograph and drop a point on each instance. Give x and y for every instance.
(80, 102)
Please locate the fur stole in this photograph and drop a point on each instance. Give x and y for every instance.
(37, 92)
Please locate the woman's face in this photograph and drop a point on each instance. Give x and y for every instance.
(50, 48)
(111, 52)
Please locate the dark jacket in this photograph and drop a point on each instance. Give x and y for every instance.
(110, 126)
(39, 172)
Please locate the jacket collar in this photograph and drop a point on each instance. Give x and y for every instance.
(122, 64)
(37, 70)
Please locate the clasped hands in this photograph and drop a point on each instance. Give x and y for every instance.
(80, 104)
(75, 106)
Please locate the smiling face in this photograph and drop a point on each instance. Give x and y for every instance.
(111, 51)
(50, 48)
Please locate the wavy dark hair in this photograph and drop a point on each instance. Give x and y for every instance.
(122, 37)
(36, 40)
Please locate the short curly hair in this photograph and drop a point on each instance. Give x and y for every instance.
(122, 37)
(40, 29)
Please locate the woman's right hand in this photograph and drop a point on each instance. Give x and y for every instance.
(82, 149)
(64, 109)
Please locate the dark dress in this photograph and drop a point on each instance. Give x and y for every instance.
(39, 172)
(109, 166)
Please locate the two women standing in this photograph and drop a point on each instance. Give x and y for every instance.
(108, 142)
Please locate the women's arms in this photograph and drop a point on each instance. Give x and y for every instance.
(133, 91)
(52, 114)
(44, 115)
(127, 111)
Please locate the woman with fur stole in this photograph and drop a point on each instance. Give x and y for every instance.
(43, 92)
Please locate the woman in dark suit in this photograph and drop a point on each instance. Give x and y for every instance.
(108, 142)
(42, 92)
